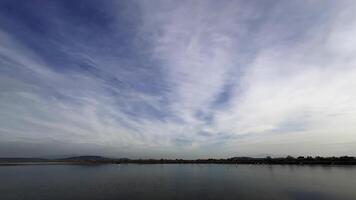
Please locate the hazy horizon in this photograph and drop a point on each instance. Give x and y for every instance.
(177, 79)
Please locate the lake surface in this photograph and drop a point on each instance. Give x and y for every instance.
(176, 181)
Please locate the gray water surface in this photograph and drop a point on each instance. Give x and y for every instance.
(176, 181)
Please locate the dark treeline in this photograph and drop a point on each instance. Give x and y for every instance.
(343, 160)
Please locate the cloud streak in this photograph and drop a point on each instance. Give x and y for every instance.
(178, 78)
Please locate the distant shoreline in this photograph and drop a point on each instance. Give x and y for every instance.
(97, 160)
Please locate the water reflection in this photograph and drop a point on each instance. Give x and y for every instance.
(177, 181)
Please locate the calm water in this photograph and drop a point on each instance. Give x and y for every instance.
(176, 182)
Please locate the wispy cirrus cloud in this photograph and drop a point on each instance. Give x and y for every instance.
(178, 78)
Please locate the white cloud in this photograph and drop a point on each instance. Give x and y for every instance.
(292, 85)
(310, 83)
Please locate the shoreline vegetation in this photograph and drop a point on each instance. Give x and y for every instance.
(289, 160)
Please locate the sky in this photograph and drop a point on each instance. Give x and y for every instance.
(177, 79)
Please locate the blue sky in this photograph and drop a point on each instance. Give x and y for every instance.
(177, 79)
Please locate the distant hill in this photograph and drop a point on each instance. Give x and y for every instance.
(85, 159)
